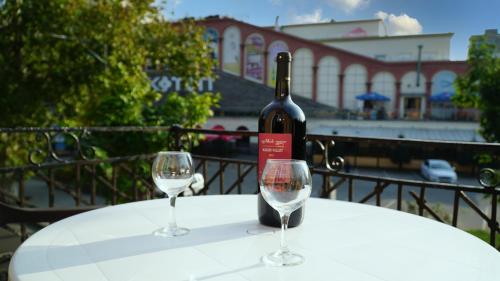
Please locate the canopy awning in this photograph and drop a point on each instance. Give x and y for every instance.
(442, 97)
(372, 96)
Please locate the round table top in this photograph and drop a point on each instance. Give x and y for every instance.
(340, 241)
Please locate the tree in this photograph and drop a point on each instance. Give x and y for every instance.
(480, 87)
(80, 62)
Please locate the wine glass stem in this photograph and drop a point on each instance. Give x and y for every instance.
(284, 226)
(172, 224)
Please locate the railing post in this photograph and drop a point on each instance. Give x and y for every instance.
(113, 185)
(421, 202)
(93, 185)
(221, 177)
(176, 131)
(456, 203)
(78, 185)
(493, 222)
(350, 191)
(239, 178)
(51, 188)
(490, 180)
(400, 195)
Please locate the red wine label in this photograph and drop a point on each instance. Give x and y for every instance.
(273, 146)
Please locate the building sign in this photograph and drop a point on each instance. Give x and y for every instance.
(212, 37)
(274, 49)
(231, 53)
(254, 57)
(357, 32)
(164, 84)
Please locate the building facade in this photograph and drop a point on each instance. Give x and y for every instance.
(330, 75)
(492, 37)
(369, 38)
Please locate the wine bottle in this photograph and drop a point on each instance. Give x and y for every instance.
(282, 135)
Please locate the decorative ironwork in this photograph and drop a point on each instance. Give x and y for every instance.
(335, 164)
(230, 175)
(489, 178)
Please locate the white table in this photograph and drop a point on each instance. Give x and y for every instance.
(340, 240)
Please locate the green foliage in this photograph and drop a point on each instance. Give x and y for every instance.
(80, 63)
(480, 87)
(485, 236)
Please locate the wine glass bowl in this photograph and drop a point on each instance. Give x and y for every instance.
(172, 172)
(285, 185)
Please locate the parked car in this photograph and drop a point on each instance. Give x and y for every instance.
(438, 170)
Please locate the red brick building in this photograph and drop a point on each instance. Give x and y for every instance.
(326, 74)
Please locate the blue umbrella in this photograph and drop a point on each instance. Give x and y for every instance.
(442, 97)
(372, 96)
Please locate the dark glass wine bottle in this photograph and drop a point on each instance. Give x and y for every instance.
(282, 135)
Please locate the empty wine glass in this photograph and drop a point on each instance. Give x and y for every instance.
(285, 185)
(172, 172)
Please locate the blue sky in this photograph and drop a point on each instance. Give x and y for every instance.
(462, 17)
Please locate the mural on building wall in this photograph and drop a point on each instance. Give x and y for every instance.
(273, 50)
(442, 82)
(254, 57)
(231, 56)
(212, 37)
(357, 32)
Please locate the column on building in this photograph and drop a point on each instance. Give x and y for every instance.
(314, 82)
(242, 62)
(221, 51)
(428, 92)
(398, 112)
(341, 91)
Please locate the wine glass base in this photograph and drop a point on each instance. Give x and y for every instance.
(280, 258)
(168, 232)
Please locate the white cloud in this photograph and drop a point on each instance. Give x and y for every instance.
(309, 18)
(400, 25)
(176, 3)
(276, 2)
(348, 5)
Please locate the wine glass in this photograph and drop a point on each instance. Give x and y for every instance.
(172, 172)
(285, 185)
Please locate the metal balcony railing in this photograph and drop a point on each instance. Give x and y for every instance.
(68, 163)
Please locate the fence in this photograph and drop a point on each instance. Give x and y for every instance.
(86, 176)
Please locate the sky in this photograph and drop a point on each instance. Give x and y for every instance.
(461, 17)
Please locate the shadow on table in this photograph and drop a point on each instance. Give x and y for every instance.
(59, 257)
(210, 276)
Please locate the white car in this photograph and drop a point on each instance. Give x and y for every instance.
(438, 171)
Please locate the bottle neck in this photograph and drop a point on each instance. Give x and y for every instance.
(282, 90)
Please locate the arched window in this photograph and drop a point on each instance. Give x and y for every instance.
(328, 81)
(355, 77)
(273, 50)
(212, 37)
(409, 83)
(254, 57)
(384, 83)
(231, 50)
(302, 72)
(443, 82)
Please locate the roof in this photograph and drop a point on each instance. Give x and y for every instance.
(244, 97)
(318, 44)
(330, 22)
(396, 37)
